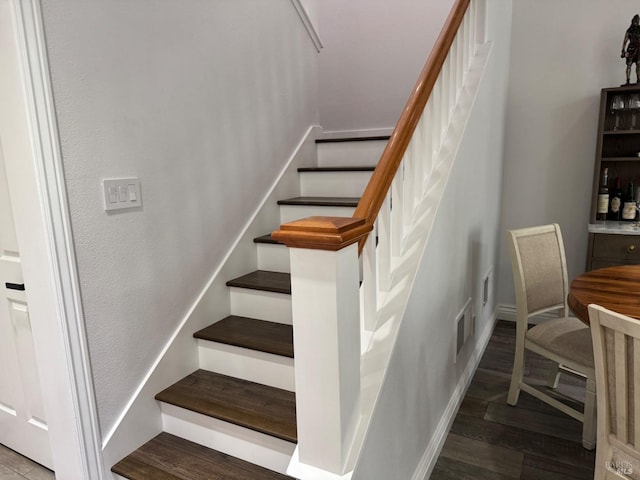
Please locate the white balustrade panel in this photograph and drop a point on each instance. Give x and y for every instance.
(382, 252)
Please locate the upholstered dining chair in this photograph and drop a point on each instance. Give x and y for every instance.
(616, 345)
(540, 280)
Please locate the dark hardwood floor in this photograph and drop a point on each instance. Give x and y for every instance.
(490, 440)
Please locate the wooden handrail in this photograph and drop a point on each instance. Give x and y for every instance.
(305, 234)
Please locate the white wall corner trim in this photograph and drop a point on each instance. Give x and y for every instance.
(82, 431)
(430, 456)
(308, 24)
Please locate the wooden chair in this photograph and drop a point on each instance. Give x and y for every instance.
(616, 345)
(540, 279)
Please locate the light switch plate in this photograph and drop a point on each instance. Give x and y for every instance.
(121, 193)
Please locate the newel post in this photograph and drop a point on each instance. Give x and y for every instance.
(325, 298)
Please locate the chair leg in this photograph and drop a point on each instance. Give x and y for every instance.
(554, 375)
(589, 428)
(517, 373)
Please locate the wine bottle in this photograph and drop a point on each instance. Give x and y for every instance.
(629, 210)
(603, 196)
(615, 202)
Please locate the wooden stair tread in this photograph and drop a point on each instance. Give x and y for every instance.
(322, 201)
(336, 169)
(267, 239)
(259, 407)
(167, 457)
(264, 280)
(353, 139)
(261, 335)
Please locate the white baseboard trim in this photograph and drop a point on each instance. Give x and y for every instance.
(297, 469)
(508, 312)
(372, 132)
(430, 456)
(308, 24)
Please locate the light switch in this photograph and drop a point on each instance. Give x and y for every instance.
(120, 193)
(133, 196)
(112, 194)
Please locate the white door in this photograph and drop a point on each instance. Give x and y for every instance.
(23, 425)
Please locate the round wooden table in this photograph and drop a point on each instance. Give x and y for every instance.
(615, 288)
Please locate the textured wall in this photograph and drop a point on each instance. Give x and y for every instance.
(374, 51)
(552, 116)
(204, 102)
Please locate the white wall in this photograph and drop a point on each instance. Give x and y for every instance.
(463, 247)
(204, 102)
(563, 54)
(373, 53)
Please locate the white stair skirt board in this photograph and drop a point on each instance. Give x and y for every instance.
(290, 213)
(270, 306)
(337, 184)
(350, 154)
(246, 444)
(274, 258)
(260, 367)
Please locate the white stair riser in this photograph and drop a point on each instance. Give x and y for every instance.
(350, 154)
(255, 447)
(274, 258)
(290, 213)
(335, 184)
(274, 307)
(260, 367)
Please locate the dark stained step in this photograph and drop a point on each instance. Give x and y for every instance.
(336, 169)
(265, 409)
(265, 280)
(353, 139)
(321, 201)
(267, 239)
(269, 337)
(167, 457)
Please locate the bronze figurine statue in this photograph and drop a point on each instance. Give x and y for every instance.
(632, 36)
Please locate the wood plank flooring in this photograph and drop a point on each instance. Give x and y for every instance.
(260, 335)
(267, 281)
(167, 457)
(259, 407)
(14, 466)
(490, 440)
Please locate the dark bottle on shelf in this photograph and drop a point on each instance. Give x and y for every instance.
(603, 196)
(615, 202)
(629, 210)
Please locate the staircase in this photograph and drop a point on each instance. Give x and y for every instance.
(235, 417)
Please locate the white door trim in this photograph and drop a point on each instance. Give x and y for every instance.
(74, 427)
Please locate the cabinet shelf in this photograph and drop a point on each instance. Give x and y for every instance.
(614, 242)
(621, 132)
(620, 159)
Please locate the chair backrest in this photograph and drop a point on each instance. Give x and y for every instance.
(616, 346)
(539, 270)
